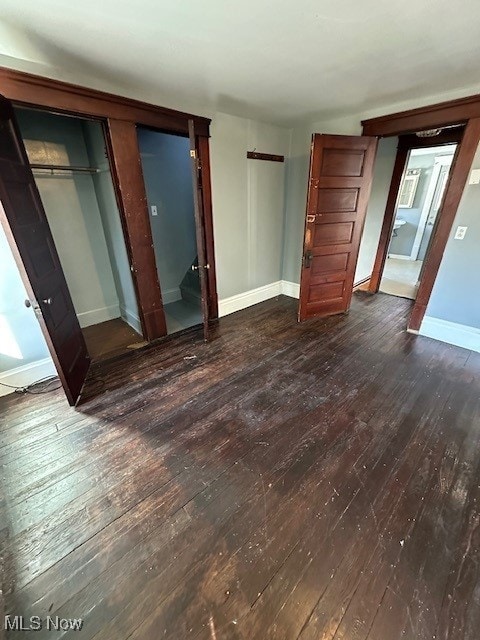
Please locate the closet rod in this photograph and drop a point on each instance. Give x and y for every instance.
(61, 167)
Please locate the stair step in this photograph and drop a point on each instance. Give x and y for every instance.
(190, 294)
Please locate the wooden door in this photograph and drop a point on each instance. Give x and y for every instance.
(25, 223)
(203, 265)
(341, 169)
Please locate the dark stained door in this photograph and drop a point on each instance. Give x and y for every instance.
(340, 179)
(25, 223)
(203, 265)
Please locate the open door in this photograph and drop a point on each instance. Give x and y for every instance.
(199, 229)
(26, 227)
(340, 180)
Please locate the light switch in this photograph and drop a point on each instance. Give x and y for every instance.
(153, 209)
(460, 233)
(474, 177)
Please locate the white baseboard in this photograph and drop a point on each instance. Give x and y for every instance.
(131, 318)
(291, 289)
(399, 256)
(248, 298)
(171, 295)
(254, 296)
(25, 375)
(95, 316)
(458, 334)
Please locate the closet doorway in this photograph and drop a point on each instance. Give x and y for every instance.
(167, 173)
(69, 161)
(106, 122)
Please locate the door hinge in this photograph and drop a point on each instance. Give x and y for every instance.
(193, 154)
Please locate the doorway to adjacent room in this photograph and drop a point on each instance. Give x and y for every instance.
(418, 204)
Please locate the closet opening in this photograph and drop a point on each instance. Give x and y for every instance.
(167, 173)
(69, 161)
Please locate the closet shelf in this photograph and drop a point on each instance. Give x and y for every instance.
(61, 167)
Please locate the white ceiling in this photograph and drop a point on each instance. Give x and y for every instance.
(276, 60)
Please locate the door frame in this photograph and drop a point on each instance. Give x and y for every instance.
(405, 144)
(463, 112)
(439, 162)
(121, 116)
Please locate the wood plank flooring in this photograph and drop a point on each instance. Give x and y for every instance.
(283, 482)
(110, 339)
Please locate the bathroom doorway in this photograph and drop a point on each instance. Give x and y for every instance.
(418, 203)
(423, 164)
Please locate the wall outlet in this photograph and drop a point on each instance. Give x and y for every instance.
(474, 177)
(460, 233)
(153, 210)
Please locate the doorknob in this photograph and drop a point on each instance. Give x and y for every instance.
(307, 260)
(29, 303)
(33, 304)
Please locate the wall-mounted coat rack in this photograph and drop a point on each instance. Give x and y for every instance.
(254, 155)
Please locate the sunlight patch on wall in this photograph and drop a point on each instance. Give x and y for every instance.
(8, 343)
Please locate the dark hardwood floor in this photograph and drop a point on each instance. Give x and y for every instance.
(110, 339)
(282, 482)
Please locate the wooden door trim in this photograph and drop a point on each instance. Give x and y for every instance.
(35, 91)
(203, 146)
(454, 112)
(405, 144)
(127, 169)
(459, 173)
(203, 265)
(29, 90)
(449, 136)
(433, 116)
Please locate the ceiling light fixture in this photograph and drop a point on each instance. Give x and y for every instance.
(428, 133)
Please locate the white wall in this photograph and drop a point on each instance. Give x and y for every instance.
(112, 226)
(453, 312)
(71, 207)
(382, 177)
(24, 355)
(248, 203)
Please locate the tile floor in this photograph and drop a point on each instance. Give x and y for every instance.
(400, 277)
(182, 315)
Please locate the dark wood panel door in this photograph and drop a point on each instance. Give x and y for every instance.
(122, 144)
(203, 265)
(341, 169)
(25, 223)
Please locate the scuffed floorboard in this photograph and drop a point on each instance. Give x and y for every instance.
(283, 482)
